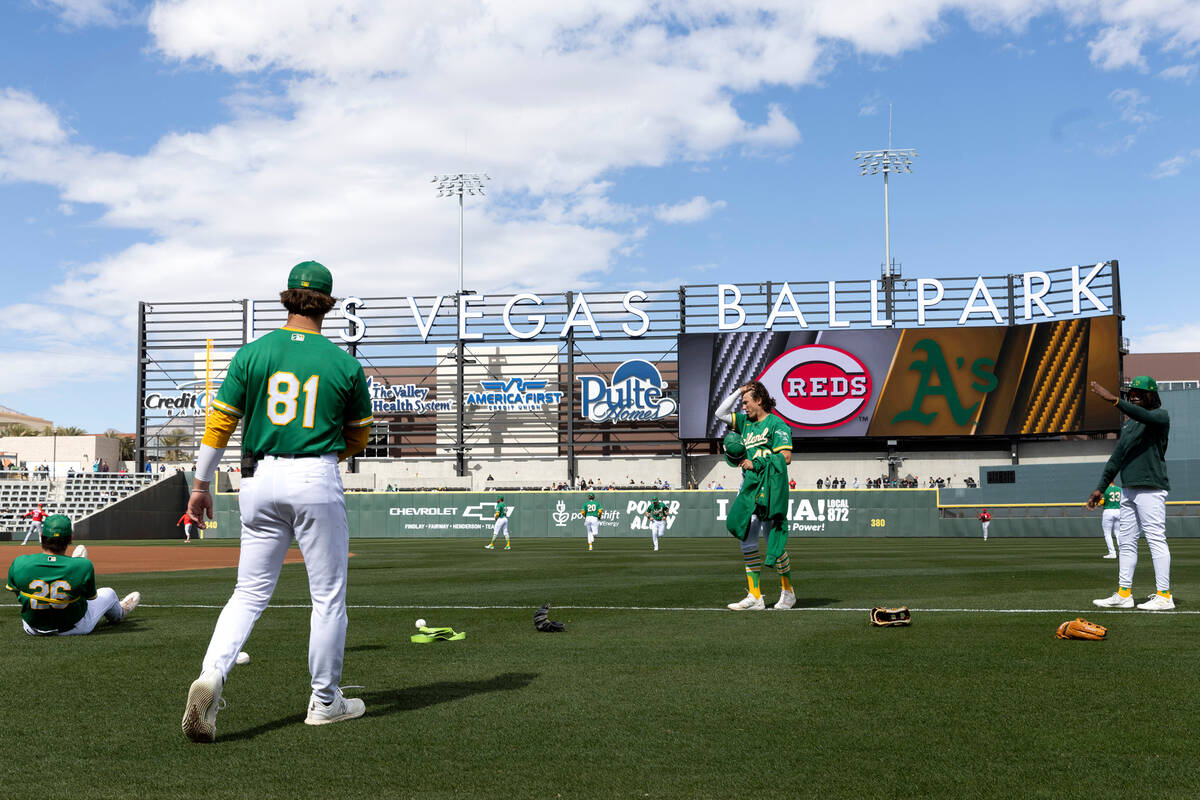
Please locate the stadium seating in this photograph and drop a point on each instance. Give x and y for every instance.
(77, 496)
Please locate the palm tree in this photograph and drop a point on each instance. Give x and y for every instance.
(126, 443)
(69, 430)
(172, 440)
(19, 429)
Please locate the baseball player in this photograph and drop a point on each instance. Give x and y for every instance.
(190, 525)
(1110, 516)
(501, 526)
(985, 519)
(591, 518)
(768, 442)
(57, 592)
(657, 512)
(1140, 456)
(304, 405)
(36, 517)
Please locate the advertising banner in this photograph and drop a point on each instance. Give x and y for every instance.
(1020, 380)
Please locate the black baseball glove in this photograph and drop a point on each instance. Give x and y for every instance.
(542, 621)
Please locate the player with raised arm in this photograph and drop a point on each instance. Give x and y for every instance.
(190, 525)
(58, 593)
(760, 508)
(591, 518)
(501, 525)
(304, 405)
(36, 517)
(657, 512)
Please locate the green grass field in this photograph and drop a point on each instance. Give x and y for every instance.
(654, 690)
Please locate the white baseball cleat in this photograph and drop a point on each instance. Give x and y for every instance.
(129, 602)
(340, 709)
(1116, 601)
(1111, 555)
(748, 603)
(80, 551)
(786, 600)
(1157, 603)
(203, 702)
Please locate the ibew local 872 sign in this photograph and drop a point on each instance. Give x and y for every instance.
(637, 393)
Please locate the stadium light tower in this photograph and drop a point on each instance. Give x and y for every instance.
(887, 161)
(457, 185)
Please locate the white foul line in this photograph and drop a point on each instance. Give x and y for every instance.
(914, 609)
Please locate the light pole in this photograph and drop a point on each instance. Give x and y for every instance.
(887, 161)
(457, 185)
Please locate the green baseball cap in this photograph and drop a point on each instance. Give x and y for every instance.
(1144, 382)
(56, 526)
(311, 275)
(735, 449)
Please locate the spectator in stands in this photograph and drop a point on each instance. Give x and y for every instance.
(855, 481)
(819, 483)
(96, 465)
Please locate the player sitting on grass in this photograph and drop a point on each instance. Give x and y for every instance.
(768, 451)
(58, 592)
(501, 525)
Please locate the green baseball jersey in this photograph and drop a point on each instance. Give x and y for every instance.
(294, 392)
(768, 435)
(1112, 498)
(53, 590)
(657, 511)
(592, 509)
(501, 509)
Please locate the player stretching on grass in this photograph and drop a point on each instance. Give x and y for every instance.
(768, 442)
(305, 405)
(1140, 456)
(591, 518)
(500, 526)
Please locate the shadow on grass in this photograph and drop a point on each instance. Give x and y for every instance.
(814, 602)
(359, 648)
(397, 701)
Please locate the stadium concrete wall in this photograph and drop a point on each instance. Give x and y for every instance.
(849, 513)
(149, 514)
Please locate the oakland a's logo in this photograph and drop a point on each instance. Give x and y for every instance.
(817, 386)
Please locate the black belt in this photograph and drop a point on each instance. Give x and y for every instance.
(295, 455)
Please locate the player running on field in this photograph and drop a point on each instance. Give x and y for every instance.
(657, 512)
(1110, 516)
(591, 518)
(58, 593)
(501, 526)
(1140, 456)
(190, 525)
(763, 496)
(985, 519)
(36, 517)
(304, 405)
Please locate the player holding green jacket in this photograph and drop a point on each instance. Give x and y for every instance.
(1141, 458)
(57, 592)
(657, 512)
(591, 518)
(768, 442)
(501, 525)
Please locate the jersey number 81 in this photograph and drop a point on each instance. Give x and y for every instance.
(283, 390)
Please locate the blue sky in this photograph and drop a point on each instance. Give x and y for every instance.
(187, 149)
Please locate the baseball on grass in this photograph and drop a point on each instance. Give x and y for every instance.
(420, 623)
(243, 657)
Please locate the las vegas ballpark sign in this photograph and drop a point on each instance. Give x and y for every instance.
(817, 386)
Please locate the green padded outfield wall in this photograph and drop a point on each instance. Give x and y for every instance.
(861, 512)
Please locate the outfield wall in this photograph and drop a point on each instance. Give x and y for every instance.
(849, 513)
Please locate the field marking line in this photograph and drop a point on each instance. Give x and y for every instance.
(669, 608)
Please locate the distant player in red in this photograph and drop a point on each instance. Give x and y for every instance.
(984, 519)
(190, 525)
(36, 515)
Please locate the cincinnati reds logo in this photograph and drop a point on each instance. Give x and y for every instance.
(817, 386)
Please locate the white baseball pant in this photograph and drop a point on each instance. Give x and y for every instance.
(1109, 523)
(300, 498)
(500, 527)
(592, 526)
(985, 527)
(1143, 510)
(658, 527)
(104, 604)
(34, 527)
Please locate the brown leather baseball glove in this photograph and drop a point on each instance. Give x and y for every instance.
(1080, 628)
(890, 617)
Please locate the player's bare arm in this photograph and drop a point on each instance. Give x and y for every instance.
(1101, 392)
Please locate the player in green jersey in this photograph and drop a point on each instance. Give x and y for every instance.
(768, 441)
(58, 592)
(500, 526)
(1110, 516)
(592, 512)
(657, 512)
(304, 405)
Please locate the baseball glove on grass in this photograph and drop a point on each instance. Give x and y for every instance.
(890, 617)
(1080, 628)
(542, 621)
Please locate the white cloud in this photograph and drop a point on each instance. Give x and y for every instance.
(1118, 47)
(24, 120)
(694, 210)
(869, 105)
(1130, 105)
(1179, 72)
(80, 13)
(1171, 167)
(1182, 339)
